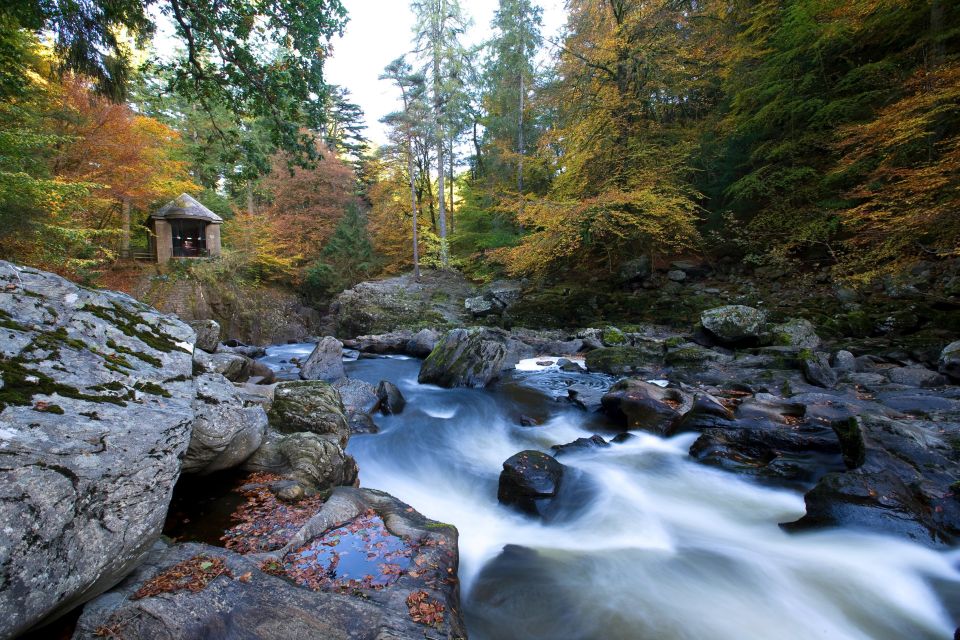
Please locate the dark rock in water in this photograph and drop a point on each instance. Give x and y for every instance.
(208, 334)
(527, 421)
(905, 486)
(316, 462)
(622, 437)
(580, 444)
(309, 406)
(391, 400)
(636, 404)
(468, 358)
(225, 431)
(569, 366)
(357, 396)
(269, 597)
(816, 369)
(95, 412)
(733, 323)
(586, 397)
(949, 361)
(528, 480)
(622, 360)
(852, 447)
(326, 361)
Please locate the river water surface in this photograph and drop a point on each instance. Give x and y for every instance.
(644, 543)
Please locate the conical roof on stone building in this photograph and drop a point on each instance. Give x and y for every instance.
(186, 206)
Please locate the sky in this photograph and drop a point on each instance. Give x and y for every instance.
(380, 31)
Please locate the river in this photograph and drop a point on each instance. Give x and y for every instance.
(643, 543)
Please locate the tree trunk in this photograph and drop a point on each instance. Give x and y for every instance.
(125, 238)
(438, 124)
(451, 186)
(413, 205)
(520, 138)
(478, 161)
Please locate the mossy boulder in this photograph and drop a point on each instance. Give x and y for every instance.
(310, 406)
(613, 337)
(734, 323)
(796, 332)
(623, 360)
(469, 358)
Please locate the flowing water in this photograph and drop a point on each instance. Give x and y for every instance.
(644, 543)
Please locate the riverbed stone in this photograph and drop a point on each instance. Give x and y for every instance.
(637, 404)
(246, 602)
(844, 362)
(208, 334)
(325, 362)
(949, 361)
(423, 342)
(390, 398)
(733, 323)
(95, 411)
(470, 358)
(225, 431)
(816, 369)
(528, 480)
(916, 377)
(796, 332)
(309, 406)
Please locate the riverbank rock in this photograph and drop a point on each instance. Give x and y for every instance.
(233, 366)
(316, 462)
(816, 369)
(225, 431)
(325, 362)
(208, 334)
(469, 358)
(95, 413)
(796, 332)
(289, 594)
(623, 360)
(529, 480)
(382, 306)
(423, 342)
(733, 323)
(309, 406)
(949, 361)
(393, 342)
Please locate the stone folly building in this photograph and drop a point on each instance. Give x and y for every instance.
(184, 228)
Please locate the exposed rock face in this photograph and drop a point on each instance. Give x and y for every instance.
(381, 306)
(95, 413)
(251, 604)
(468, 358)
(317, 462)
(949, 362)
(208, 334)
(528, 480)
(326, 361)
(635, 404)
(309, 406)
(391, 400)
(225, 431)
(733, 323)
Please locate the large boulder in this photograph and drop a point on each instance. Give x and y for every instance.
(391, 401)
(636, 404)
(233, 366)
(357, 395)
(208, 334)
(529, 480)
(393, 342)
(309, 406)
(95, 413)
(468, 358)
(423, 342)
(816, 369)
(225, 430)
(623, 360)
(299, 591)
(316, 462)
(325, 362)
(733, 323)
(796, 332)
(949, 363)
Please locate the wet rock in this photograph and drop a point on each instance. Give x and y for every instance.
(357, 395)
(393, 342)
(580, 444)
(469, 358)
(233, 366)
(569, 366)
(733, 323)
(361, 423)
(391, 400)
(949, 362)
(706, 412)
(623, 360)
(208, 334)
(235, 346)
(527, 421)
(316, 461)
(636, 404)
(326, 361)
(796, 332)
(95, 414)
(852, 446)
(816, 369)
(528, 480)
(423, 342)
(844, 362)
(916, 377)
(250, 603)
(225, 431)
(309, 406)
(585, 396)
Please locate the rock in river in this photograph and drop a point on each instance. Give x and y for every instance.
(309, 406)
(468, 358)
(95, 414)
(528, 480)
(325, 362)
